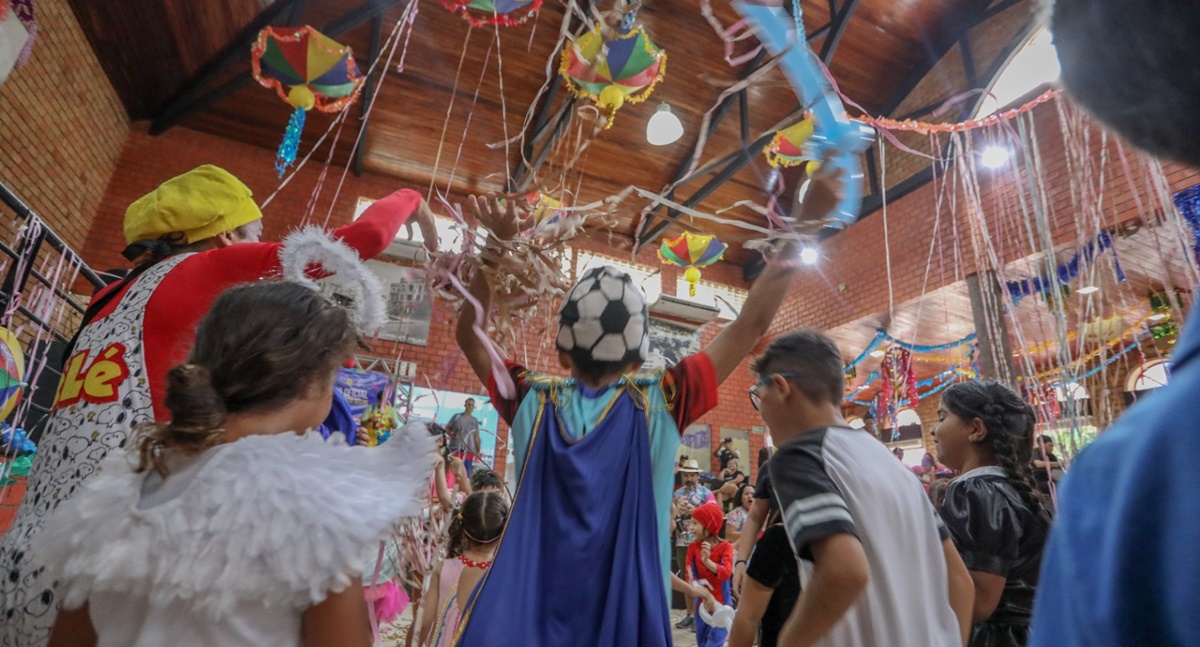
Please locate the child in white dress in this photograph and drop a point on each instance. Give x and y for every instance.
(230, 526)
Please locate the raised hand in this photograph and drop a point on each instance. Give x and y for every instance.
(504, 222)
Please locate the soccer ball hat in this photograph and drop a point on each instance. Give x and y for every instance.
(605, 316)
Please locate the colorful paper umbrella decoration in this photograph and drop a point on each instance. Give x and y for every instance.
(12, 372)
(308, 70)
(494, 12)
(612, 67)
(787, 147)
(691, 251)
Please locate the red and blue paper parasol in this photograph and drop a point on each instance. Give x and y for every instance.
(494, 12)
(308, 70)
(12, 372)
(691, 251)
(612, 66)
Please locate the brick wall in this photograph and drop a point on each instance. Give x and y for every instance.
(61, 126)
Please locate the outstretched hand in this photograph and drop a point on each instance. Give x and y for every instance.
(504, 222)
(823, 194)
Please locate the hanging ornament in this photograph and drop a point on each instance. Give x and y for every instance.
(494, 12)
(787, 147)
(1161, 325)
(899, 375)
(545, 213)
(612, 67)
(12, 372)
(691, 251)
(316, 71)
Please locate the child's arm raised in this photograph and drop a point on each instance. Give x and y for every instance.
(732, 345)
(502, 223)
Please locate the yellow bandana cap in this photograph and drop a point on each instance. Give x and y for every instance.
(202, 203)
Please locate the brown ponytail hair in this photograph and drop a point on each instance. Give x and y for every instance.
(480, 520)
(260, 347)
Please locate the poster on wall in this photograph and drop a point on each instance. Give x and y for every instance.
(741, 444)
(696, 444)
(13, 38)
(360, 388)
(409, 306)
(670, 343)
(439, 406)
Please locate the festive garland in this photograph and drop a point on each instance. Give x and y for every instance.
(882, 336)
(942, 380)
(1188, 203)
(925, 128)
(1082, 361)
(1066, 272)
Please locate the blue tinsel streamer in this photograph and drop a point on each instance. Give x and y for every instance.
(1066, 272)
(286, 155)
(1188, 202)
(882, 336)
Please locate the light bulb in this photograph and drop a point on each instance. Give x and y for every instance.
(1088, 289)
(664, 127)
(995, 157)
(877, 353)
(809, 256)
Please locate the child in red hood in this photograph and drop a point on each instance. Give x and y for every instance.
(710, 565)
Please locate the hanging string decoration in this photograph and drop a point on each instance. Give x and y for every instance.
(307, 70)
(1188, 203)
(613, 67)
(899, 376)
(787, 147)
(1066, 272)
(1162, 326)
(546, 212)
(12, 372)
(882, 336)
(691, 251)
(494, 12)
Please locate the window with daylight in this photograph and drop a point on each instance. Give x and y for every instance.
(449, 234)
(645, 277)
(1074, 390)
(907, 417)
(1034, 65)
(1149, 377)
(727, 299)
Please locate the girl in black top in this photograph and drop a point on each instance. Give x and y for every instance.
(994, 515)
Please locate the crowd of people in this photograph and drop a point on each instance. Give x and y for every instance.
(192, 508)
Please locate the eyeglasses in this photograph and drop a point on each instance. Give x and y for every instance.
(755, 398)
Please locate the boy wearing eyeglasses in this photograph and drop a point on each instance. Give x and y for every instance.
(871, 548)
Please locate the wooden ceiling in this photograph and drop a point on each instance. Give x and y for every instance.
(187, 63)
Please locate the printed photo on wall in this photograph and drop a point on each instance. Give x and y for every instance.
(409, 305)
(670, 343)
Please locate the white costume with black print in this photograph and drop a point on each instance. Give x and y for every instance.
(96, 407)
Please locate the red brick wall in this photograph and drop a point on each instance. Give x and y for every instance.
(61, 126)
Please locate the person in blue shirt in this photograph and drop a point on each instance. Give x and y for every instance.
(1121, 567)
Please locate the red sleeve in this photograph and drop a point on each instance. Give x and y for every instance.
(693, 558)
(694, 384)
(507, 408)
(723, 557)
(371, 234)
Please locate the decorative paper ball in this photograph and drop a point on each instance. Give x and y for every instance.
(605, 315)
(691, 275)
(302, 97)
(611, 99)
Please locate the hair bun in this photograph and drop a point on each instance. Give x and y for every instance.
(192, 399)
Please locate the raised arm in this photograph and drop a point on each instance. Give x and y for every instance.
(503, 223)
(736, 341)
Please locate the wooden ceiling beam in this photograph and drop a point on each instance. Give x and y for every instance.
(185, 102)
(360, 151)
(233, 51)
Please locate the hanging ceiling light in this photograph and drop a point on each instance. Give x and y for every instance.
(664, 127)
(1088, 289)
(995, 157)
(877, 353)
